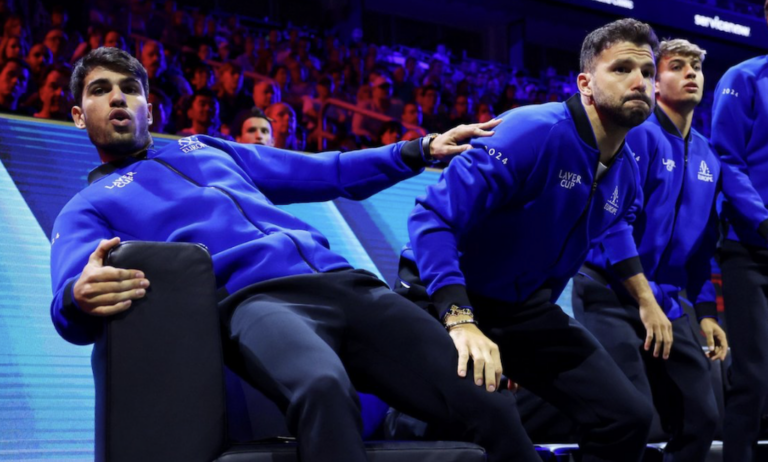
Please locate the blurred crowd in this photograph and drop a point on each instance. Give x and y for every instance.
(210, 74)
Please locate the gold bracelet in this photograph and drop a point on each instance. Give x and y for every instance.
(458, 323)
(456, 310)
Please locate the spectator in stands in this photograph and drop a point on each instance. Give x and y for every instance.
(335, 116)
(461, 113)
(162, 108)
(508, 99)
(389, 133)
(402, 88)
(299, 87)
(202, 76)
(38, 58)
(153, 59)
(95, 40)
(56, 40)
(412, 114)
(14, 75)
(12, 47)
(253, 127)
(381, 102)
(265, 94)
(284, 126)
(203, 115)
(223, 49)
(281, 77)
(54, 98)
(484, 112)
(230, 93)
(435, 119)
(114, 39)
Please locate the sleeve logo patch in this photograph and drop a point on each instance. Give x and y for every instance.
(123, 181)
(190, 143)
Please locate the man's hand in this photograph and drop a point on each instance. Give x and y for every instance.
(471, 342)
(104, 290)
(716, 340)
(447, 144)
(657, 325)
(658, 328)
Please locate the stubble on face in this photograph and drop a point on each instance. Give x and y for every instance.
(615, 96)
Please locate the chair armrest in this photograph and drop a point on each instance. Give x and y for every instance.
(158, 366)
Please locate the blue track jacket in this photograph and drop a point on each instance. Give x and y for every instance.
(520, 210)
(740, 136)
(675, 235)
(220, 194)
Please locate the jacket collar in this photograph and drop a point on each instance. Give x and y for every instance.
(109, 167)
(581, 120)
(584, 126)
(665, 122)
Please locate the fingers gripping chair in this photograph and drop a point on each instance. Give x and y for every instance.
(163, 393)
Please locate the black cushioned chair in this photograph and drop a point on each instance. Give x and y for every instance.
(161, 393)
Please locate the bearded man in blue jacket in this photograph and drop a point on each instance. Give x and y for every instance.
(672, 243)
(510, 222)
(303, 321)
(740, 136)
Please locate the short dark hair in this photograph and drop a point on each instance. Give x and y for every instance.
(242, 116)
(113, 59)
(623, 30)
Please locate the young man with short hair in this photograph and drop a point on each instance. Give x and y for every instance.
(253, 127)
(307, 328)
(672, 243)
(511, 221)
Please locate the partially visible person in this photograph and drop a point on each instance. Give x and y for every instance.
(201, 77)
(265, 94)
(484, 112)
(114, 39)
(55, 99)
(162, 110)
(230, 93)
(412, 114)
(739, 118)
(434, 118)
(461, 112)
(283, 120)
(14, 75)
(203, 115)
(390, 132)
(56, 41)
(382, 103)
(253, 127)
(12, 47)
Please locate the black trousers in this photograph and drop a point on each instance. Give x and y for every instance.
(552, 355)
(745, 293)
(680, 387)
(309, 342)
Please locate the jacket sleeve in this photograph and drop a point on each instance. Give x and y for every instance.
(733, 120)
(474, 184)
(76, 234)
(619, 243)
(287, 177)
(699, 290)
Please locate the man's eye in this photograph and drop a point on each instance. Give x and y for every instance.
(98, 91)
(621, 70)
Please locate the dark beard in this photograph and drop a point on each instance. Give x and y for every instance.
(625, 117)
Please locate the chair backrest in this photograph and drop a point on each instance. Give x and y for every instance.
(158, 366)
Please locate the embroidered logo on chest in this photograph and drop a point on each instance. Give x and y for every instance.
(568, 180)
(669, 163)
(704, 173)
(612, 205)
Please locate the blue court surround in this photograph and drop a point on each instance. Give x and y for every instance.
(46, 388)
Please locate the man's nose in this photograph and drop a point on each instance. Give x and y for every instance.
(117, 98)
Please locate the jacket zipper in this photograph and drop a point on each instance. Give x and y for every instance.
(581, 217)
(678, 203)
(237, 204)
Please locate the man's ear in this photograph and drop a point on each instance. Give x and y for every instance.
(149, 114)
(584, 83)
(78, 116)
